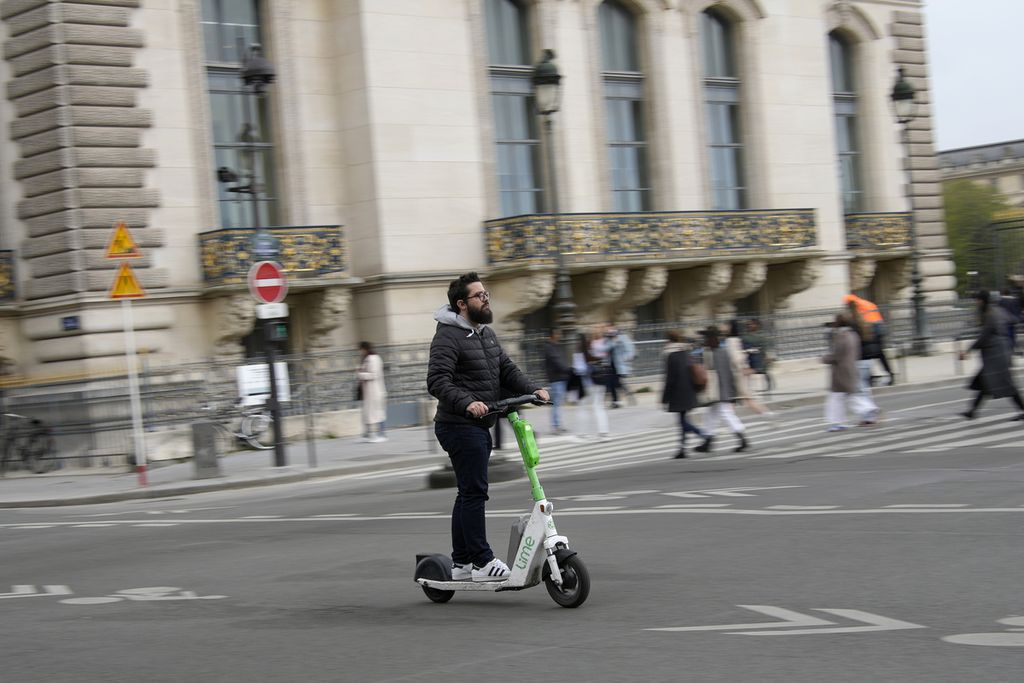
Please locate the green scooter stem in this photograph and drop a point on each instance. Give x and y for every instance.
(528, 449)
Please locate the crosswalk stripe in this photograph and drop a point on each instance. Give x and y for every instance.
(876, 439)
(970, 442)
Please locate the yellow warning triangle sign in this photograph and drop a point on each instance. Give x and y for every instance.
(126, 285)
(121, 244)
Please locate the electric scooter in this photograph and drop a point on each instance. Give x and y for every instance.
(536, 551)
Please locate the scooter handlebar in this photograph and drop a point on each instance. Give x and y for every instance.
(506, 404)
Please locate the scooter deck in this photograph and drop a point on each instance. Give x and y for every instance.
(470, 585)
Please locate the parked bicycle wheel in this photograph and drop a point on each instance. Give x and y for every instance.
(38, 452)
(255, 430)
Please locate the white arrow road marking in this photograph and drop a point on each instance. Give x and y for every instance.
(791, 619)
(876, 623)
(731, 492)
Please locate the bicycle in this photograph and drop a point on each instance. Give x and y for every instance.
(254, 426)
(29, 440)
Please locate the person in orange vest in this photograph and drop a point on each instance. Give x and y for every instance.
(868, 312)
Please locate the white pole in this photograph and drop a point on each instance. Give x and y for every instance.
(133, 391)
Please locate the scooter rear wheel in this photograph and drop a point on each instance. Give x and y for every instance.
(436, 568)
(575, 582)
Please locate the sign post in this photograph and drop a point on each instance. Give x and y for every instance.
(126, 287)
(268, 286)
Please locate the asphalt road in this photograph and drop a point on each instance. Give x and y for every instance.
(886, 553)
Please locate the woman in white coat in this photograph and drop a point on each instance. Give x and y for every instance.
(373, 393)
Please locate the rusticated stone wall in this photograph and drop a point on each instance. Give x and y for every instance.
(79, 133)
(926, 187)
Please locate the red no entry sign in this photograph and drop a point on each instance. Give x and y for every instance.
(267, 283)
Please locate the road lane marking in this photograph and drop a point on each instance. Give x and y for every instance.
(928, 505)
(807, 624)
(789, 618)
(1013, 637)
(875, 623)
(728, 491)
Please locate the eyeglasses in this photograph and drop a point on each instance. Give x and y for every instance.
(483, 296)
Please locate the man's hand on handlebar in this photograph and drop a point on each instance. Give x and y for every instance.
(542, 394)
(477, 409)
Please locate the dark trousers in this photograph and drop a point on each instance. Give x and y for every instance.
(687, 426)
(469, 448)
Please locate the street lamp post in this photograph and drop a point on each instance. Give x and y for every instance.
(547, 96)
(905, 105)
(257, 73)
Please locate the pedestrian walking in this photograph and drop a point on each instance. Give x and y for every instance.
(870, 349)
(759, 348)
(468, 369)
(721, 393)
(738, 358)
(844, 378)
(995, 379)
(373, 394)
(593, 356)
(557, 371)
(868, 315)
(1011, 305)
(621, 352)
(680, 392)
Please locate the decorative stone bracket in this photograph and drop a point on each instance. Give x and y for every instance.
(644, 286)
(786, 279)
(328, 310)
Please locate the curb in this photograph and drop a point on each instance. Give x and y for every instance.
(209, 485)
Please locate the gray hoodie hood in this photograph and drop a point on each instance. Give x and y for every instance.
(446, 316)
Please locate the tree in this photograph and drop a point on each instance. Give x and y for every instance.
(970, 210)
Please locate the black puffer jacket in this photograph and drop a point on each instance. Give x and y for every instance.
(469, 365)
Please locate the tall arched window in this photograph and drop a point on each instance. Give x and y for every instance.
(242, 133)
(624, 107)
(515, 122)
(844, 101)
(722, 98)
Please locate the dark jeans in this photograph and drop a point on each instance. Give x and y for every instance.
(688, 426)
(469, 448)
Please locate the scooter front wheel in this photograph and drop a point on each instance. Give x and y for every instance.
(436, 568)
(575, 582)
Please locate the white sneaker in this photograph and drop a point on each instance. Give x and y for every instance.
(462, 572)
(378, 439)
(495, 570)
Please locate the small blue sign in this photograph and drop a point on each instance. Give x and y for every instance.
(69, 323)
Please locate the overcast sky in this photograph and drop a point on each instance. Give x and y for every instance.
(975, 51)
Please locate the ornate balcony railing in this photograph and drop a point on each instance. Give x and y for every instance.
(306, 252)
(8, 291)
(877, 231)
(601, 237)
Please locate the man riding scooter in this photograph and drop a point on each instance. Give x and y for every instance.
(467, 370)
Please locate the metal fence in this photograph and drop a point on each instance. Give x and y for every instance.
(92, 421)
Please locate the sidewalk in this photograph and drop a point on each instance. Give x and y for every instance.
(414, 449)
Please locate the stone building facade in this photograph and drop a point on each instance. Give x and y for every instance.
(999, 165)
(711, 156)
